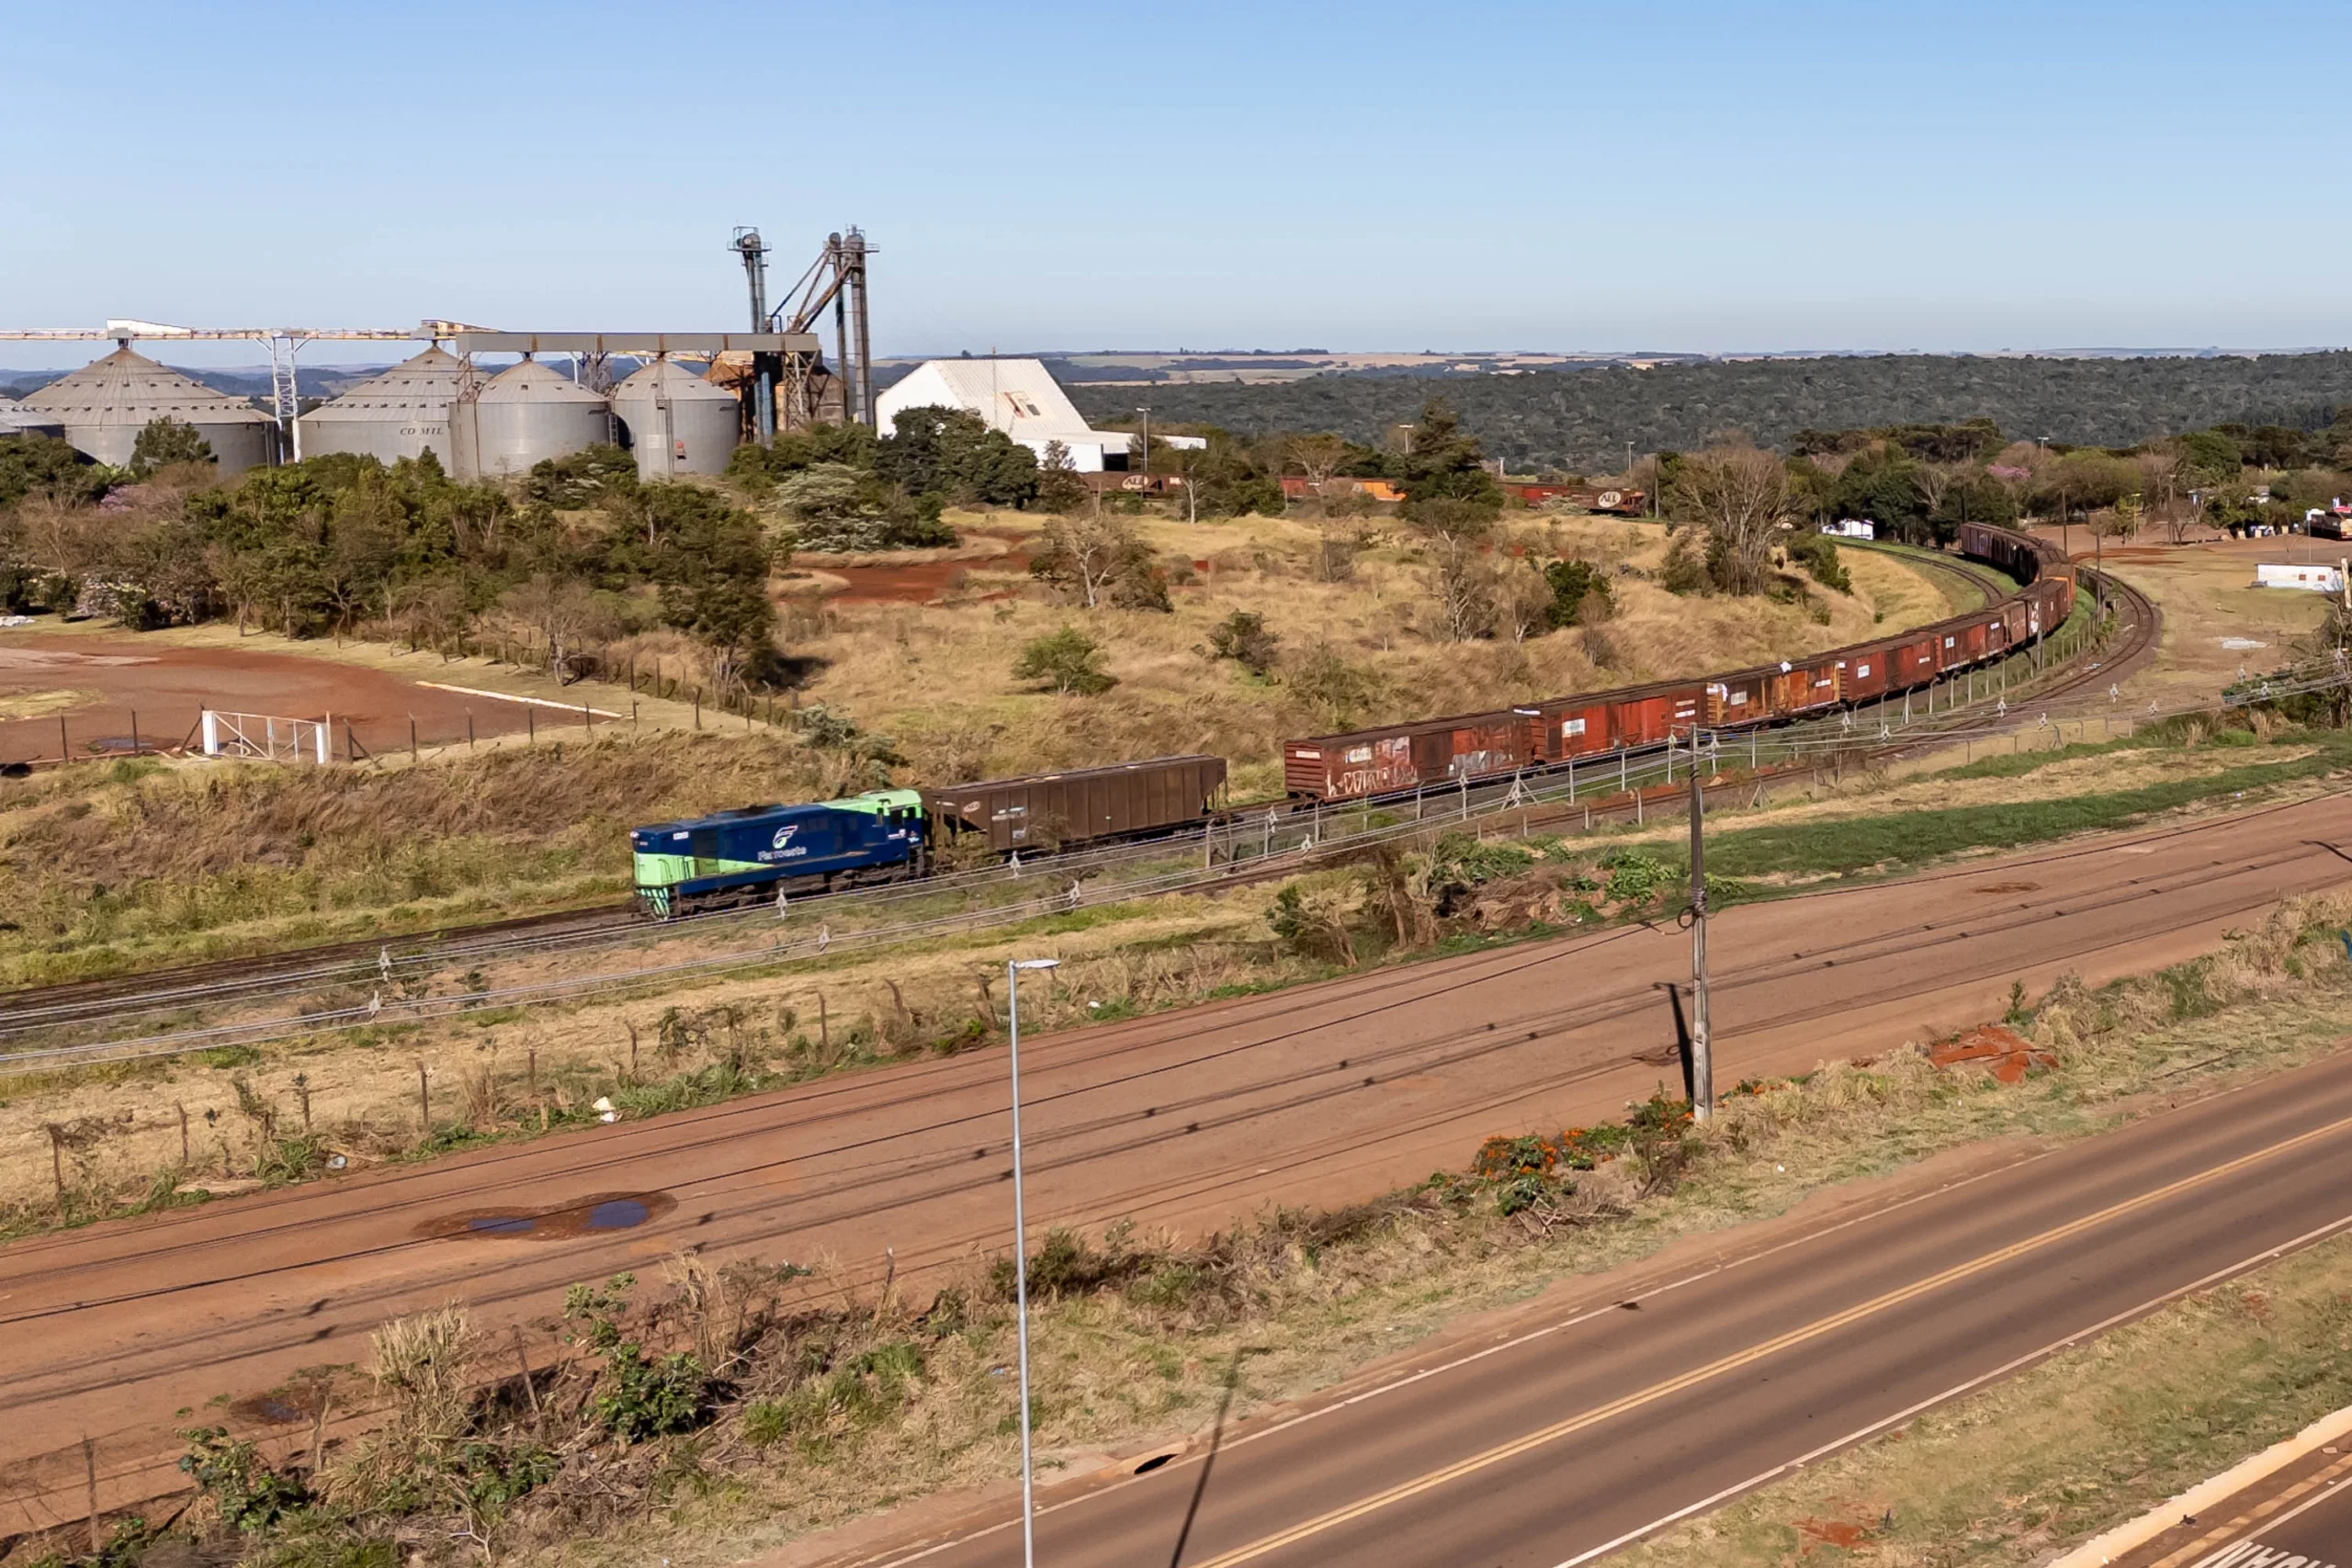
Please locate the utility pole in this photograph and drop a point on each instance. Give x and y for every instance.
(1145, 410)
(1702, 1062)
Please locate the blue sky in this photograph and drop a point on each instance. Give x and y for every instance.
(1667, 175)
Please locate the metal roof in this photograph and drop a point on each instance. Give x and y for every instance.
(673, 380)
(127, 387)
(532, 382)
(423, 385)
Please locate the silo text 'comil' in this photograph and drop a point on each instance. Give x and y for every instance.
(675, 422)
(520, 417)
(106, 404)
(404, 412)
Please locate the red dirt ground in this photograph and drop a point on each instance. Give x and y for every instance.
(917, 582)
(168, 687)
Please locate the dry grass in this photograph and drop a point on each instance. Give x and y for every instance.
(205, 859)
(846, 1406)
(938, 677)
(2206, 594)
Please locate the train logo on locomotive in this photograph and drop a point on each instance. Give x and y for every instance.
(780, 846)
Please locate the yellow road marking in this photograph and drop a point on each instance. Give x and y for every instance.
(1812, 1330)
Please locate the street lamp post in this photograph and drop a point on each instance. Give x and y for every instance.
(1145, 410)
(1021, 1256)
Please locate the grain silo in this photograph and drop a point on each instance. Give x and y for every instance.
(520, 417)
(404, 412)
(104, 405)
(17, 419)
(675, 422)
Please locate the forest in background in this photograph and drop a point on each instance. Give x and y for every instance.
(1579, 421)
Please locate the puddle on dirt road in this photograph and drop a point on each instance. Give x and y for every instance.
(599, 1215)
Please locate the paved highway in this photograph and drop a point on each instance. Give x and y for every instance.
(1616, 1417)
(1322, 1094)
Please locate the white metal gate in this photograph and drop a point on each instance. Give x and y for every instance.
(267, 738)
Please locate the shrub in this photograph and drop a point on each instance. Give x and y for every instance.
(1818, 555)
(1068, 658)
(1242, 637)
(248, 1495)
(1579, 593)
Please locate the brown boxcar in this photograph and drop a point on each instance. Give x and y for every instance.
(1742, 697)
(1574, 726)
(1864, 676)
(1048, 810)
(1424, 755)
(1911, 661)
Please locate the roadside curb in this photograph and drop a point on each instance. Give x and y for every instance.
(2174, 1511)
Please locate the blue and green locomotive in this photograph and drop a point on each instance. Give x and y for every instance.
(751, 854)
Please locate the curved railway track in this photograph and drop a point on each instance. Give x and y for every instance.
(382, 962)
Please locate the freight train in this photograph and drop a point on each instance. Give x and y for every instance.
(754, 853)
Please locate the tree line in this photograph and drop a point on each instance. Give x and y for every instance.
(1580, 421)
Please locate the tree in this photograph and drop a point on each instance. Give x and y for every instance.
(1099, 560)
(2120, 521)
(1883, 484)
(1068, 658)
(1741, 496)
(1060, 488)
(1441, 463)
(955, 456)
(1580, 594)
(565, 612)
(1334, 691)
(1318, 457)
(1242, 637)
(162, 441)
(1464, 588)
(45, 465)
(1523, 601)
(2207, 458)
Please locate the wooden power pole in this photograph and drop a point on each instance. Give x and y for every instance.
(1702, 1063)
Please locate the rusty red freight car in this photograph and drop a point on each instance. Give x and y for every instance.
(1422, 755)
(1437, 752)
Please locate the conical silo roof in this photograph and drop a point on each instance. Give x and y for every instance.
(404, 412)
(17, 419)
(128, 389)
(532, 382)
(104, 405)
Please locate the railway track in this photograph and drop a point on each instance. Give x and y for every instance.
(345, 969)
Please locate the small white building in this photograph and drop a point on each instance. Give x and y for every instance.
(1850, 529)
(1019, 397)
(2311, 579)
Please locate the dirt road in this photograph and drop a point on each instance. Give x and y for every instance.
(103, 688)
(1317, 1095)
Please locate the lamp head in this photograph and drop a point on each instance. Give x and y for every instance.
(1036, 963)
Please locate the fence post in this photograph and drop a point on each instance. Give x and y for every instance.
(64, 747)
(469, 729)
(531, 726)
(697, 708)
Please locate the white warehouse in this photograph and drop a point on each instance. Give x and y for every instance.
(1018, 397)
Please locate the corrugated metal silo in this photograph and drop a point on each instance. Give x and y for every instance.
(404, 412)
(17, 419)
(104, 405)
(675, 422)
(520, 417)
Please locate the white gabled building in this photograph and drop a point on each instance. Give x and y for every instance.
(1018, 397)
